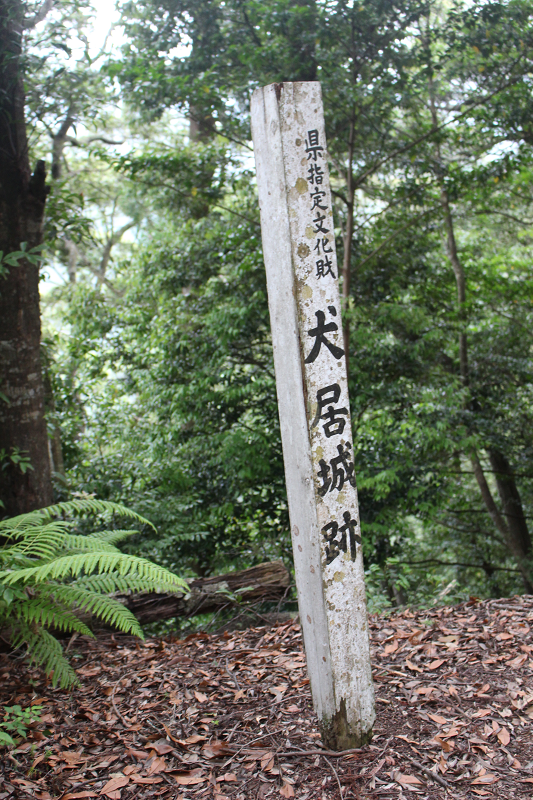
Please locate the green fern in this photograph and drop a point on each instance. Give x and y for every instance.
(53, 577)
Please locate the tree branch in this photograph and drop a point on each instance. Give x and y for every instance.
(459, 564)
(396, 233)
(433, 130)
(40, 14)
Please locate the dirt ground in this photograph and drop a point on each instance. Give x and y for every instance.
(230, 715)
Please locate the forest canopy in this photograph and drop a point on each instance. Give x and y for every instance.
(158, 387)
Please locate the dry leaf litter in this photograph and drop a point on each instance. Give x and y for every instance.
(229, 716)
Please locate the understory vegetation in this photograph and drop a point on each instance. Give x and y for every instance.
(156, 351)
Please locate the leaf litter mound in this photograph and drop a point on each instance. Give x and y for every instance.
(229, 716)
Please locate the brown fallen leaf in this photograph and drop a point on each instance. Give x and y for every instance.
(412, 666)
(78, 795)
(406, 780)
(267, 762)
(517, 662)
(194, 739)
(287, 790)
(391, 648)
(446, 746)
(138, 754)
(189, 778)
(161, 747)
(438, 719)
(201, 697)
(72, 760)
(278, 690)
(483, 712)
(112, 786)
(436, 664)
(140, 779)
(89, 671)
(158, 765)
(215, 749)
(504, 737)
(486, 779)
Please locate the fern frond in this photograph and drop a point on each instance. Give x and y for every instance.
(93, 506)
(100, 540)
(39, 541)
(49, 614)
(112, 537)
(85, 544)
(12, 558)
(86, 505)
(115, 583)
(107, 609)
(45, 650)
(73, 565)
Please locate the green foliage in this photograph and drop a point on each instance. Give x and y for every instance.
(16, 721)
(53, 575)
(162, 373)
(33, 255)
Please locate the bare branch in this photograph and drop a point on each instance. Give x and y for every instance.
(82, 142)
(40, 14)
(525, 222)
(485, 567)
(106, 255)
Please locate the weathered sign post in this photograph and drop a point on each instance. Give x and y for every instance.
(303, 294)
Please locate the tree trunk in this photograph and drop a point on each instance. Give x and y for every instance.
(265, 582)
(511, 524)
(511, 503)
(22, 201)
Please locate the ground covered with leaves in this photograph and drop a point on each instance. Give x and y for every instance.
(230, 716)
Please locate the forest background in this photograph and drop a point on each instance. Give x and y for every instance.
(156, 353)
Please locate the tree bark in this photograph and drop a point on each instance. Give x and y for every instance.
(268, 581)
(460, 283)
(22, 201)
(501, 523)
(511, 503)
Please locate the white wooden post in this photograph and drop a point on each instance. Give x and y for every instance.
(302, 276)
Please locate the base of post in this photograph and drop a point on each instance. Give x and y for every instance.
(338, 735)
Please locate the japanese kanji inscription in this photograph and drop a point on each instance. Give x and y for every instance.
(299, 251)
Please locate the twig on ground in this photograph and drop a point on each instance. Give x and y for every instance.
(257, 739)
(125, 722)
(371, 773)
(228, 740)
(232, 676)
(330, 753)
(71, 641)
(330, 765)
(427, 771)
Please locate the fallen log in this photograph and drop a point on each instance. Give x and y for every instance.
(269, 581)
